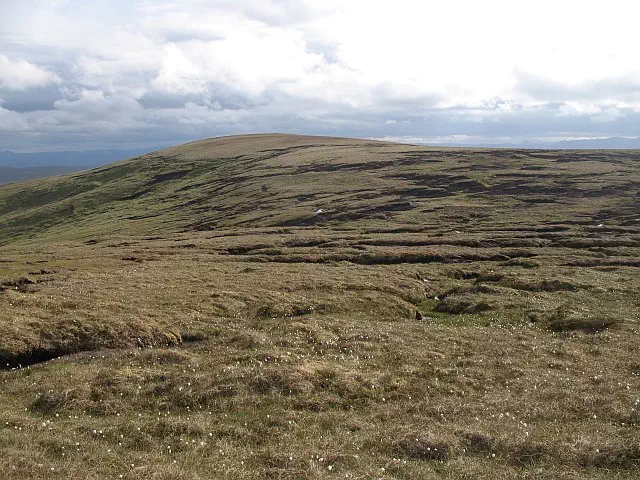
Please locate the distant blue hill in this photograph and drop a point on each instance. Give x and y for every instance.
(77, 160)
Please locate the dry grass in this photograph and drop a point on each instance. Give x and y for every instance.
(355, 348)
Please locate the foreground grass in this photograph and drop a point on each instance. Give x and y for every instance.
(316, 370)
(426, 404)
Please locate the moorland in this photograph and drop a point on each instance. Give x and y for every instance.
(278, 306)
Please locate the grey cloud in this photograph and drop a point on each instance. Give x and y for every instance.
(153, 99)
(391, 97)
(94, 105)
(155, 127)
(215, 96)
(34, 99)
(545, 89)
(55, 58)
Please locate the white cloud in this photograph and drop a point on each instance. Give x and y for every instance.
(21, 75)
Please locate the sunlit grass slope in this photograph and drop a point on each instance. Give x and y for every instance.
(283, 180)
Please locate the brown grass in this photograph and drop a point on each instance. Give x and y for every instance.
(257, 350)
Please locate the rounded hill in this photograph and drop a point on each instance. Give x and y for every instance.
(288, 180)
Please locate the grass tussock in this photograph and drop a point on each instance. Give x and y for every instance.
(586, 324)
(526, 453)
(563, 320)
(283, 383)
(415, 446)
(545, 285)
(22, 285)
(274, 310)
(457, 306)
(53, 401)
(611, 456)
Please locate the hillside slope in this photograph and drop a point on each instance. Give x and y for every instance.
(10, 174)
(274, 306)
(284, 180)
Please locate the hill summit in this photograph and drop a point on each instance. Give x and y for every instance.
(288, 180)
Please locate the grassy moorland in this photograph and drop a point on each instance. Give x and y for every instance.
(289, 307)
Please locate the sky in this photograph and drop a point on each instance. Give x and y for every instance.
(78, 75)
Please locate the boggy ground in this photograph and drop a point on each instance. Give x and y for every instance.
(477, 335)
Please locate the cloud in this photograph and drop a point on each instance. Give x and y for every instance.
(614, 89)
(11, 121)
(94, 105)
(33, 99)
(21, 75)
(80, 73)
